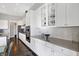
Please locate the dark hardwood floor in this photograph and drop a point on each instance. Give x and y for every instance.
(21, 49)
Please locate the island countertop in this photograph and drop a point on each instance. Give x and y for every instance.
(61, 42)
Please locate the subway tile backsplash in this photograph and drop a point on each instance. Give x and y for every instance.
(66, 33)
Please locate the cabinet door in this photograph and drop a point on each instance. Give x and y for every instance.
(43, 16)
(33, 44)
(60, 14)
(22, 37)
(43, 50)
(51, 14)
(73, 14)
(46, 51)
(48, 14)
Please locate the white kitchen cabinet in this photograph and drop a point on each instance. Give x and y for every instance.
(60, 14)
(52, 14)
(67, 14)
(33, 44)
(45, 15)
(3, 24)
(42, 50)
(22, 37)
(48, 14)
(73, 14)
(38, 46)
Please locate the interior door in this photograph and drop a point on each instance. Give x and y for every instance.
(12, 29)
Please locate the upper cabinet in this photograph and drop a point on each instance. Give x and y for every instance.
(73, 14)
(51, 14)
(3, 24)
(43, 16)
(48, 15)
(57, 15)
(67, 14)
(60, 14)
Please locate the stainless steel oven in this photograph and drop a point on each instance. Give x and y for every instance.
(28, 33)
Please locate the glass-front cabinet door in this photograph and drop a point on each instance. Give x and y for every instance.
(43, 16)
(48, 14)
(51, 14)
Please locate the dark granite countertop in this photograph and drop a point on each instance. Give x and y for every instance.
(61, 42)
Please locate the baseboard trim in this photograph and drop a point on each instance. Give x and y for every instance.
(28, 48)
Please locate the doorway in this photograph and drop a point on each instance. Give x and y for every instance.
(12, 29)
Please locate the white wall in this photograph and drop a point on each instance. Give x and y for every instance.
(18, 22)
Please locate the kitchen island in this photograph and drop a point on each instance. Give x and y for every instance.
(54, 46)
(61, 42)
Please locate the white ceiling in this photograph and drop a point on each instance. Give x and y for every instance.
(14, 9)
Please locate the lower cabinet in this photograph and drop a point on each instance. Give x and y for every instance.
(48, 49)
(32, 44)
(39, 47)
(22, 37)
(43, 50)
